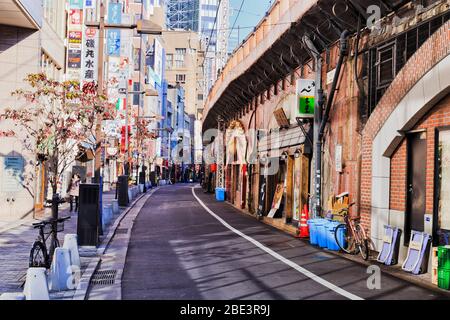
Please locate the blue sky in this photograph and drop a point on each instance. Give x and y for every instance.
(252, 12)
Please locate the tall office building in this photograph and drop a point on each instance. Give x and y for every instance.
(210, 18)
(182, 14)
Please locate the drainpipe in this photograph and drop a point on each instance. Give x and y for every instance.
(344, 49)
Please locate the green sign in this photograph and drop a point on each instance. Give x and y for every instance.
(306, 105)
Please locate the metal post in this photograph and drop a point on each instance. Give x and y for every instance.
(98, 128)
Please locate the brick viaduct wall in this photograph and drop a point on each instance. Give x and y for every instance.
(431, 53)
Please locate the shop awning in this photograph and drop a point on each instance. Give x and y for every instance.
(274, 143)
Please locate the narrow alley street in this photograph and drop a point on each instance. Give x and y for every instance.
(181, 250)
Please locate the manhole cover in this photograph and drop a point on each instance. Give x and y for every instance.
(122, 231)
(104, 278)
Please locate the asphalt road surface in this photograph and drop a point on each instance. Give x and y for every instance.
(186, 246)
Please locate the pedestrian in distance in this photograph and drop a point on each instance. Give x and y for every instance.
(74, 192)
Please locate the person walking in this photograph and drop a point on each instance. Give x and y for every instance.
(74, 192)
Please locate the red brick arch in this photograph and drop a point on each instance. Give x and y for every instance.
(434, 50)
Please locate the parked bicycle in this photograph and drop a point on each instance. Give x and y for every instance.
(351, 236)
(41, 256)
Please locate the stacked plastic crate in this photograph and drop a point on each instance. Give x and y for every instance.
(444, 267)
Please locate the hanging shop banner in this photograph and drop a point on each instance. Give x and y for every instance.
(276, 200)
(90, 55)
(306, 90)
(113, 43)
(115, 13)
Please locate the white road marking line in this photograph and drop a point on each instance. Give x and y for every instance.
(293, 265)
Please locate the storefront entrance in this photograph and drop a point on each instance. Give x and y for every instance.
(416, 183)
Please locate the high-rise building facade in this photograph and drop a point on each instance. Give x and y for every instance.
(209, 18)
(182, 14)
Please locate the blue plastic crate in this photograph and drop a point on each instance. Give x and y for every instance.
(220, 194)
(313, 234)
(331, 240)
(322, 231)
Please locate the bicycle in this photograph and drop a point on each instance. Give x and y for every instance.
(40, 256)
(354, 239)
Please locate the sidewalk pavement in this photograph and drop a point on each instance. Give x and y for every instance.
(17, 239)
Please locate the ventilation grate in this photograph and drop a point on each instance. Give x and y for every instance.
(104, 278)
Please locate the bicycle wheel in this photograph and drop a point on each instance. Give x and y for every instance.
(38, 256)
(364, 245)
(344, 240)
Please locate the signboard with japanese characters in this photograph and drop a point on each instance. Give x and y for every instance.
(75, 19)
(113, 73)
(90, 55)
(113, 43)
(123, 76)
(75, 38)
(114, 13)
(74, 59)
(305, 98)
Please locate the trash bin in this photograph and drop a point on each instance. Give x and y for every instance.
(122, 185)
(88, 226)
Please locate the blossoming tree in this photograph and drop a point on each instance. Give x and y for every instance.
(55, 118)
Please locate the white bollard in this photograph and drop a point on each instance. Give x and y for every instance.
(36, 287)
(141, 188)
(130, 195)
(61, 271)
(107, 216)
(115, 207)
(71, 244)
(12, 296)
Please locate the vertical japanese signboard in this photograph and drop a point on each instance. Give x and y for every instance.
(113, 35)
(90, 55)
(75, 38)
(113, 43)
(305, 98)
